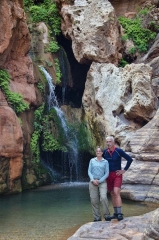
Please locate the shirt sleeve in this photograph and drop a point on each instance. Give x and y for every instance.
(127, 157)
(106, 173)
(90, 171)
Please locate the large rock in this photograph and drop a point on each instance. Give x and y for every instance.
(94, 30)
(152, 230)
(11, 149)
(144, 142)
(131, 228)
(11, 144)
(124, 6)
(120, 99)
(14, 47)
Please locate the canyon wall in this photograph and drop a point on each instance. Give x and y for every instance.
(124, 101)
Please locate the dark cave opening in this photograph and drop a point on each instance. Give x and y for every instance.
(73, 87)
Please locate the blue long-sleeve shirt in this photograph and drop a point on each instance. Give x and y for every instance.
(114, 160)
(98, 169)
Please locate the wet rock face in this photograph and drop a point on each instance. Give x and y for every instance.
(120, 98)
(94, 30)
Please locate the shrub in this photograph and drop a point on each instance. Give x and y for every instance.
(58, 71)
(122, 63)
(15, 99)
(39, 14)
(53, 47)
(134, 31)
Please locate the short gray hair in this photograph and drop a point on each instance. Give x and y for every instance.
(110, 138)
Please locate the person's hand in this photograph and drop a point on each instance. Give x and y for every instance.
(95, 182)
(119, 172)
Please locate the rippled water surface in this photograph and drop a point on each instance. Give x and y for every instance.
(53, 212)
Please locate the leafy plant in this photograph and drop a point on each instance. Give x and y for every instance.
(49, 63)
(58, 71)
(134, 31)
(46, 12)
(40, 86)
(122, 63)
(38, 14)
(132, 50)
(53, 47)
(15, 99)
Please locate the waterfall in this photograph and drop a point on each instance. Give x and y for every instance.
(66, 78)
(71, 140)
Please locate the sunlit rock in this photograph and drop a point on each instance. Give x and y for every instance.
(145, 141)
(131, 228)
(152, 230)
(121, 99)
(94, 30)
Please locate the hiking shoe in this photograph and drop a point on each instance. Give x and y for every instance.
(120, 216)
(109, 218)
(97, 220)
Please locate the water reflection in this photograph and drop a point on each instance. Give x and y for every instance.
(53, 212)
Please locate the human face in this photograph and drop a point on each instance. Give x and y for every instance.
(99, 153)
(110, 144)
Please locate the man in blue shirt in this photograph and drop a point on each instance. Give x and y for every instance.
(98, 171)
(114, 181)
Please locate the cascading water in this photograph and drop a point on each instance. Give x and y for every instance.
(71, 140)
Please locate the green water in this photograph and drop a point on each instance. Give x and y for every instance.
(53, 212)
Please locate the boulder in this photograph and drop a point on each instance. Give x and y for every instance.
(120, 99)
(94, 30)
(131, 228)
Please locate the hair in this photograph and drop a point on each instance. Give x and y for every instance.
(99, 148)
(110, 138)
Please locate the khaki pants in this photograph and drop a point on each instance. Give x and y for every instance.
(99, 194)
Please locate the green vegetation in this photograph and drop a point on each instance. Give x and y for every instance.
(14, 99)
(132, 50)
(122, 63)
(49, 63)
(34, 143)
(40, 86)
(45, 12)
(134, 31)
(42, 132)
(58, 71)
(53, 47)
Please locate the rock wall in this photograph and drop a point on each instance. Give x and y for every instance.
(15, 43)
(123, 102)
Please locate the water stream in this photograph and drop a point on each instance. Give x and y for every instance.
(71, 140)
(53, 212)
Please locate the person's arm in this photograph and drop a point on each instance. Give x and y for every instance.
(127, 157)
(106, 173)
(90, 171)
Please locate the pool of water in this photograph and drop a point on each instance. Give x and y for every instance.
(53, 212)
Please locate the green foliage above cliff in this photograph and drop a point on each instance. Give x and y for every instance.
(133, 30)
(14, 99)
(45, 12)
